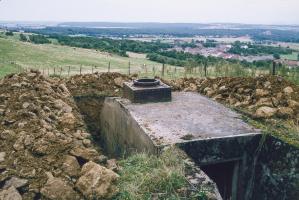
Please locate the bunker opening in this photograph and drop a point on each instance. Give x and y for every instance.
(225, 175)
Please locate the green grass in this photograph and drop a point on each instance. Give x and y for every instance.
(150, 177)
(50, 56)
(293, 56)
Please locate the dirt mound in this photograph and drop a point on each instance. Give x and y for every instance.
(107, 84)
(44, 144)
(262, 97)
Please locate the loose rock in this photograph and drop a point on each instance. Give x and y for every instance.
(97, 181)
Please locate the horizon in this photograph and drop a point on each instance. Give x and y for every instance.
(144, 22)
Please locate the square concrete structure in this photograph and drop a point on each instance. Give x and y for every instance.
(210, 133)
(189, 118)
(136, 94)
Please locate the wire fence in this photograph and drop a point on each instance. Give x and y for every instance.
(168, 71)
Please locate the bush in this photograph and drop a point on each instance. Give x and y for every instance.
(9, 33)
(39, 39)
(23, 38)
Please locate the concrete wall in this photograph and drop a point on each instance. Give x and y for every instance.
(121, 133)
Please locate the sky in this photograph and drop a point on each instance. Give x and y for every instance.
(194, 11)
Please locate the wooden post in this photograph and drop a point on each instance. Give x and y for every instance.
(163, 69)
(69, 70)
(274, 68)
(109, 66)
(80, 69)
(129, 68)
(205, 68)
(60, 71)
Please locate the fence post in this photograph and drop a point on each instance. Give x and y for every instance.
(205, 68)
(109, 66)
(274, 68)
(80, 69)
(163, 69)
(68, 72)
(129, 68)
(60, 71)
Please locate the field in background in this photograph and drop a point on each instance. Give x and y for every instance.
(54, 59)
(16, 56)
(293, 56)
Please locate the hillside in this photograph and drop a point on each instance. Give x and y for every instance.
(15, 54)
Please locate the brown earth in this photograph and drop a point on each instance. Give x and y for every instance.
(262, 97)
(45, 149)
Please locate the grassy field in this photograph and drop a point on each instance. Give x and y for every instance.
(50, 59)
(293, 56)
(16, 55)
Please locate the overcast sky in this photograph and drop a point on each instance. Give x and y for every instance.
(198, 11)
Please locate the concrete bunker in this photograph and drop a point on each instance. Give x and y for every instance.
(215, 137)
(217, 140)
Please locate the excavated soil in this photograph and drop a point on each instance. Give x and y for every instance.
(45, 149)
(262, 97)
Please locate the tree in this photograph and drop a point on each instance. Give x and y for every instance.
(23, 38)
(276, 56)
(9, 33)
(39, 39)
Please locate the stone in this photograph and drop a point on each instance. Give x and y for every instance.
(285, 112)
(41, 147)
(59, 104)
(293, 104)
(288, 90)
(261, 92)
(119, 81)
(86, 142)
(223, 89)
(67, 119)
(26, 105)
(85, 153)
(7, 134)
(97, 181)
(19, 145)
(112, 164)
(56, 188)
(267, 84)
(64, 90)
(10, 194)
(15, 182)
(71, 166)
(2, 156)
(264, 102)
(265, 112)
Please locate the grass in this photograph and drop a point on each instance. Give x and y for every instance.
(54, 59)
(150, 177)
(293, 56)
(284, 129)
(49, 56)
